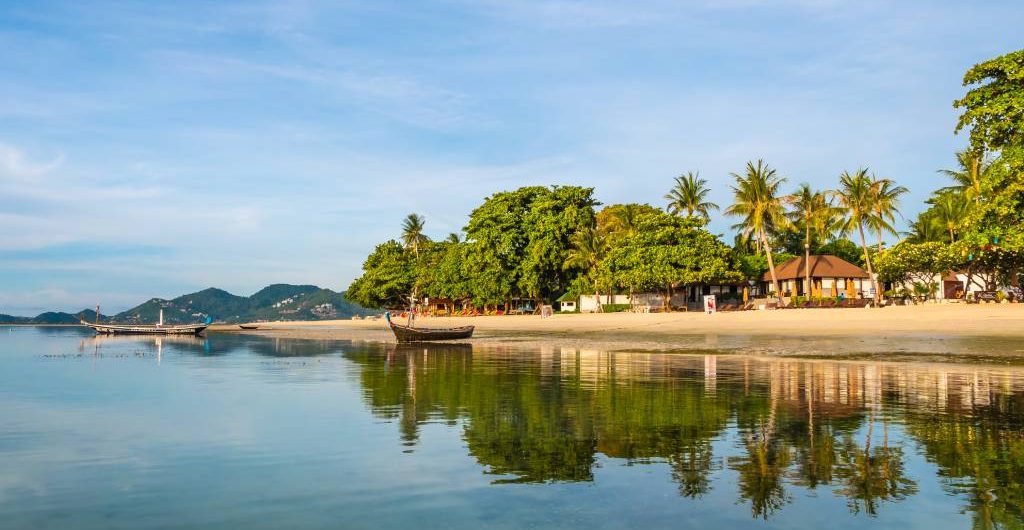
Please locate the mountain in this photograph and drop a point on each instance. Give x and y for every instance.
(274, 302)
(52, 317)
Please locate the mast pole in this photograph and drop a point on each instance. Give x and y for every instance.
(97, 313)
(161, 318)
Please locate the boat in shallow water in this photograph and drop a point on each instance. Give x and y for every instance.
(143, 329)
(411, 334)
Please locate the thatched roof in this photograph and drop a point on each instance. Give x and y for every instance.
(824, 266)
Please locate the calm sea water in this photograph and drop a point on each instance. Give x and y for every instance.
(245, 432)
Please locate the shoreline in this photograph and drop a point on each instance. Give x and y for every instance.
(993, 332)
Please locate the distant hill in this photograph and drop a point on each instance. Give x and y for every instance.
(274, 302)
(52, 317)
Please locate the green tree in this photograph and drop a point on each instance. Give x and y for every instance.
(915, 263)
(689, 195)
(389, 275)
(666, 251)
(993, 108)
(758, 203)
(856, 196)
(519, 241)
(814, 211)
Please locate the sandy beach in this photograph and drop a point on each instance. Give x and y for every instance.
(986, 330)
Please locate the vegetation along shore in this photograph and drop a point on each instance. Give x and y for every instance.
(536, 245)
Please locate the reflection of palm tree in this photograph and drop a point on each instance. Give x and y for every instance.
(691, 467)
(870, 475)
(762, 469)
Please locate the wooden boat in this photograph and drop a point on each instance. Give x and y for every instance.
(143, 329)
(409, 334)
(249, 326)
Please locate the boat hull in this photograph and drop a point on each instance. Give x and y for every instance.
(407, 334)
(118, 329)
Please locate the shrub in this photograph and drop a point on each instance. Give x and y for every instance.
(615, 308)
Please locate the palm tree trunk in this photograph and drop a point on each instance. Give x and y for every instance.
(807, 260)
(771, 264)
(867, 260)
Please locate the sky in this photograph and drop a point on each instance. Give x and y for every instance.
(154, 149)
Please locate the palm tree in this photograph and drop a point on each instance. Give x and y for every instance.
(814, 210)
(587, 252)
(950, 211)
(856, 196)
(967, 179)
(688, 195)
(925, 228)
(412, 232)
(886, 206)
(757, 202)
(624, 218)
(453, 238)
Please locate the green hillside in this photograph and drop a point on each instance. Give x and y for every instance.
(51, 317)
(274, 302)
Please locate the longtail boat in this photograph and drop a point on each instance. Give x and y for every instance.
(143, 329)
(411, 334)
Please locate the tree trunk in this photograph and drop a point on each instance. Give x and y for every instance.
(867, 260)
(600, 306)
(771, 264)
(807, 259)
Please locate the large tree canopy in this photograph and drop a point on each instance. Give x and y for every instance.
(389, 274)
(994, 108)
(666, 251)
(518, 241)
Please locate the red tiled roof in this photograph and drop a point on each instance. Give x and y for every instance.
(824, 266)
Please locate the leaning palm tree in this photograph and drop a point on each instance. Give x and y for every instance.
(586, 253)
(886, 206)
(759, 206)
(412, 233)
(950, 211)
(689, 194)
(813, 209)
(967, 179)
(856, 197)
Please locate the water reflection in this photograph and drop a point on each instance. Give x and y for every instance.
(779, 426)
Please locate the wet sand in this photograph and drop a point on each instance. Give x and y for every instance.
(925, 332)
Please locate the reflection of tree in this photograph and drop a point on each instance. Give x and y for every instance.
(981, 454)
(534, 419)
(872, 474)
(691, 467)
(763, 465)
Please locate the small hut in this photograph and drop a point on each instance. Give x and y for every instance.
(830, 275)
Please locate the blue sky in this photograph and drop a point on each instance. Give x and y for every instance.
(152, 149)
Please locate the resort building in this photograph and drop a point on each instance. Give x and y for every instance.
(830, 276)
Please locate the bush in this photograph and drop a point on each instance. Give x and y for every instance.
(615, 308)
(1000, 296)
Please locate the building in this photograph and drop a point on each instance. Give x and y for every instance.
(830, 276)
